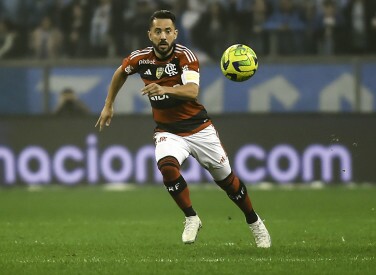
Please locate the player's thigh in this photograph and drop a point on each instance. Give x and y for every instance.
(167, 144)
(209, 152)
(221, 172)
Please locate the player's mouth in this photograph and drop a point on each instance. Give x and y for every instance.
(163, 46)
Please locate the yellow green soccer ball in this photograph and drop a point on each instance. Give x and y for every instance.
(239, 63)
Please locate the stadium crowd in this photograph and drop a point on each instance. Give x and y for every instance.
(44, 29)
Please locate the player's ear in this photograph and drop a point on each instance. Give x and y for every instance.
(149, 34)
(176, 34)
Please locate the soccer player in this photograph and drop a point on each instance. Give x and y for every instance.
(171, 75)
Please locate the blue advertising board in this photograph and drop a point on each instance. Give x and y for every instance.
(274, 88)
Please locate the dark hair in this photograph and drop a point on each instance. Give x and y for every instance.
(162, 14)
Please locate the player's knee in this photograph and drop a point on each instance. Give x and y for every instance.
(172, 179)
(170, 168)
(234, 187)
(169, 173)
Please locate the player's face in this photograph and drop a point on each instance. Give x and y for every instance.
(162, 35)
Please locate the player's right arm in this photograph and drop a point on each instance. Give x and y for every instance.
(118, 80)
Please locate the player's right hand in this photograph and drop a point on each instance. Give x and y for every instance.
(105, 117)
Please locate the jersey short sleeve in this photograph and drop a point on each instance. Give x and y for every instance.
(129, 66)
(189, 64)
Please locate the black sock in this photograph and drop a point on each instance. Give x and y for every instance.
(188, 212)
(251, 217)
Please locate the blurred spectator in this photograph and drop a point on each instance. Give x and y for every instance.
(372, 41)
(108, 28)
(189, 18)
(260, 11)
(329, 23)
(209, 33)
(242, 17)
(286, 29)
(31, 11)
(126, 44)
(178, 7)
(46, 40)
(309, 16)
(140, 23)
(360, 19)
(198, 5)
(100, 40)
(232, 14)
(8, 40)
(9, 10)
(117, 27)
(70, 105)
(75, 26)
(245, 23)
(340, 4)
(166, 5)
(25, 14)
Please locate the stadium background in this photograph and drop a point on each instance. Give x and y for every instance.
(300, 133)
(306, 116)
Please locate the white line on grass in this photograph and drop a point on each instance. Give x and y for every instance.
(189, 260)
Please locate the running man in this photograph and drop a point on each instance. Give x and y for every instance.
(171, 75)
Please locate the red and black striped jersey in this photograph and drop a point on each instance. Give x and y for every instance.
(181, 117)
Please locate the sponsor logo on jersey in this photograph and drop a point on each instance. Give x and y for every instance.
(146, 61)
(148, 72)
(185, 68)
(171, 69)
(159, 72)
(159, 97)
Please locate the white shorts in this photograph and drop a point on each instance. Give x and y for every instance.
(204, 146)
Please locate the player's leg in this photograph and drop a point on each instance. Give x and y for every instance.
(207, 149)
(237, 192)
(170, 152)
(176, 184)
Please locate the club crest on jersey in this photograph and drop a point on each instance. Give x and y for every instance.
(159, 72)
(171, 69)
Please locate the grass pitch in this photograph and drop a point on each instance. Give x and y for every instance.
(88, 230)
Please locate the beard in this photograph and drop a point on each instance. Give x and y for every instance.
(163, 52)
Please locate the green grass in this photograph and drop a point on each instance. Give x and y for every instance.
(88, 230)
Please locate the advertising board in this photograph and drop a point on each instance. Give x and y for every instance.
(274, 148)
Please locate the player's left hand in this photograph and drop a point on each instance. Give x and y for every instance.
(153, 89)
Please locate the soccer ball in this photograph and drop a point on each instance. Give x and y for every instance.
(239, 63)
